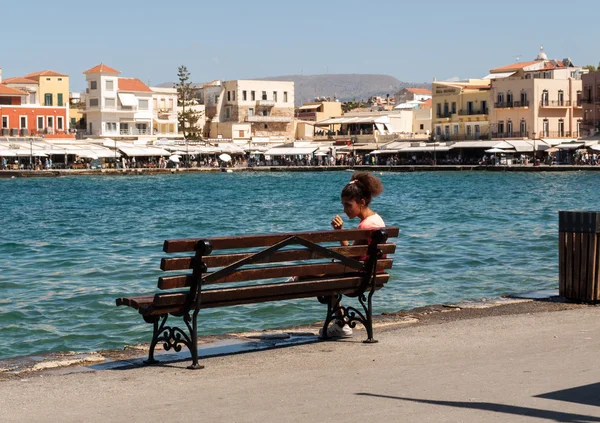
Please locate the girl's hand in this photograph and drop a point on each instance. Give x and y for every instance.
(337, 222)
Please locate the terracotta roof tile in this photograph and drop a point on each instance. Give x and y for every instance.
(46, 72)
(132, 84)
(101, 68)
(19, 80)
(427, 104)
(4, 90)
(514, 66)
(419, 91)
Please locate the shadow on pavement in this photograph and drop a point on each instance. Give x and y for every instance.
(588, 395)
(499, 408)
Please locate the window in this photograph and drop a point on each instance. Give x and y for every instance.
(484, 109)
(40, 122)
(455, 129)
(228, 113)
(250, 111)
(59, 123)
(509, 98)
(60, 79)
(546, 128)
(453, 107)
(233, 95)
(110, 84)
(438, 129)
(228, 95)
(47, 99)
(93, 102)
(545, 98)
(523, 128)
(447, 131)
(264, 95)
(500, 126)
(48, 79)
(111, 126)
(265, 113)
(275, 96)
(244, 95)
(561, 98)
(59, 100)
(93, 85)
(561, 128)
(469, 130)
(4, 122)
(579, 128)
(23, 122)
(470, 107)
(252, 95)
(500, 99)
(110, 102)
(446, 113)
(477, 130)
(285, 97)
(50, 121)
(523, 98)
(439, 110)
(143, 104)
(421, 127)
(509, 128)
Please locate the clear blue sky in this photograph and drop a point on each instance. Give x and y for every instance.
(413, 41)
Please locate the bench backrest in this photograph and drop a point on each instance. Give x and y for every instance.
(264, 259)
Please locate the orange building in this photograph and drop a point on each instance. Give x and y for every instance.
(19, 119)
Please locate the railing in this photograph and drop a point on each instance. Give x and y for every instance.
(135, 131)
(306, 115)
(265, 103)
(266, 119)
(443, 115)
(558, 134)
(555, 103)
(472, 112)
(510, 134)
(463, 137)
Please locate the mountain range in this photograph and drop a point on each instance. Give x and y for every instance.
(344, 87)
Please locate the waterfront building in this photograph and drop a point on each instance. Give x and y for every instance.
(460, 110)
(245, 109)
(123, 107)
(310, 113)
(164, 111)
(536, 99)
(21, 112)
(46, 94)
(406, 95)
(590, 102)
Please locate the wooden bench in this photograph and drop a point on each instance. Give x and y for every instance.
(256, 274)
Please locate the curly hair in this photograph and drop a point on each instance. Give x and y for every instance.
(362, 186)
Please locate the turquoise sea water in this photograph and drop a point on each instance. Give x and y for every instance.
(70, 246)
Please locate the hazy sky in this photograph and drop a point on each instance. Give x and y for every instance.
(413, 41)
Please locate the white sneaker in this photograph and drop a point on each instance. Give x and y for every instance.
(337, 331)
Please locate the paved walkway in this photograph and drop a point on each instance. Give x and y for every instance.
(501, 368)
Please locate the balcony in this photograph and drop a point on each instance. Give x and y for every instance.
(444, 115)
(510, 134)
(558, 134)
(135, 131)
(306, 116)
(464, 137)
(268, 119)
(472, 112)
(555, 104)
(265, 103)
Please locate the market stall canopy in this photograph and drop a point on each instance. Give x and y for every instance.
(289, 151)
(144, 151)
(570, 146)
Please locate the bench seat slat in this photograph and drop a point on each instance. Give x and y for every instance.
(184, 263)
(172, 302)
(250, 241)
(181, 281)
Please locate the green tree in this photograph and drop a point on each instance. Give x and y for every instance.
(187, 95)
(591, 68)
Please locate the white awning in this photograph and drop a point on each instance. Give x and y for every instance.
(310, 107)
(427, 148)
(127, 99)
(498, 75)
(570, 146)
(557, 141)
(144, 151)
(289, 151)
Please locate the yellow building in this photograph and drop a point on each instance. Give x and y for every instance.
(460, 110)
(53, 88)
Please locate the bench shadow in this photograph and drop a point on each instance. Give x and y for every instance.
(214, 349)
(587, 395)
(498, 408)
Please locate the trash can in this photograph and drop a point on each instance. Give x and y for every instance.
(579, 255)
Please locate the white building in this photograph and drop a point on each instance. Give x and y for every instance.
(117, 106)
